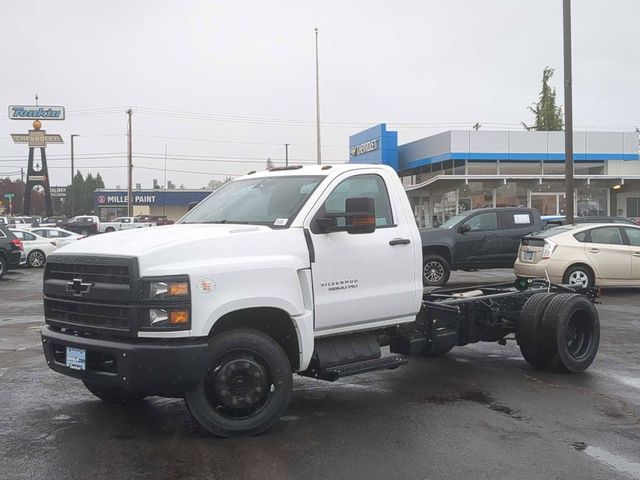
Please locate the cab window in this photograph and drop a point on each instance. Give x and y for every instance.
(361, 186)
(483, 222)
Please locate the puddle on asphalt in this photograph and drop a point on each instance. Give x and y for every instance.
(630, 381)
(474, 396)
(616, 462)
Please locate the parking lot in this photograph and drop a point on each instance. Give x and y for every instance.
(479, 412)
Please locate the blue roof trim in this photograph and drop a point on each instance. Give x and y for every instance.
(579, 157)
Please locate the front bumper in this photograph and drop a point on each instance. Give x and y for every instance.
(153, 367)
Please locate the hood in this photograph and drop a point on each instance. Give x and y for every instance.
(176, 248)
(437, 235)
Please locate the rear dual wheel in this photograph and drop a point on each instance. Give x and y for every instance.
(559, 332)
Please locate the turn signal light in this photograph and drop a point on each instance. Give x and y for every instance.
(178, 289)
(178, 317)
(363, 221)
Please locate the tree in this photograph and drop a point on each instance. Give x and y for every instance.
(82, 193)
(547, 116)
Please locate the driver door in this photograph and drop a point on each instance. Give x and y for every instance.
(364, 279)
(481, 243)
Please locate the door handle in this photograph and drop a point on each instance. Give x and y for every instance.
(636, 254)
(399, 241)
(594, 250)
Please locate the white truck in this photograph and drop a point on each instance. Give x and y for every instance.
(123, 223)
(307, 270)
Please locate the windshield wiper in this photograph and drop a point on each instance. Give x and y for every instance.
(242, 222)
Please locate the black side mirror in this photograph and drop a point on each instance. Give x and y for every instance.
(191, 205)
(360, 215)
(464, 228)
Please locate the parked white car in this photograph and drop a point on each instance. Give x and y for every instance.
(604, 255)
(36, 248)
(59, 236)
(123, 223)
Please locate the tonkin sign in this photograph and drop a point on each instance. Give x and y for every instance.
(36, 112)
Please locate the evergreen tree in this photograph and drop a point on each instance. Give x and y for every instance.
(547, 116)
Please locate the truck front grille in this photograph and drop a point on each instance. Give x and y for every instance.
(70, 314)
(112, 274)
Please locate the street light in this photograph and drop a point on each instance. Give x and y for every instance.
(72, 175)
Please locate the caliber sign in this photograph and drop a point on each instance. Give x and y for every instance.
(36, 112)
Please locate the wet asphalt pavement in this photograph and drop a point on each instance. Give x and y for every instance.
(480, 412)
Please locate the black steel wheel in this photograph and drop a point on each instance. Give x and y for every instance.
(529, 329)
(3, 267)
(570, 333)
(109, 230)
(246, 387)
(435, 270)
(114, 395)
(36, 259)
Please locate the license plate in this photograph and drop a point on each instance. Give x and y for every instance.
(528, 256)
(76, 358)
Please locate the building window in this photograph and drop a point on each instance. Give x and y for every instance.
(489, 167)
(591, 202)
(520, 168)
(553, 168)
(588, 168)
(513, 194)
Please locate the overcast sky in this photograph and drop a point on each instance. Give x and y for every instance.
(228, 83)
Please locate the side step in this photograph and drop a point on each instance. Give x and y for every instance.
(388, 362)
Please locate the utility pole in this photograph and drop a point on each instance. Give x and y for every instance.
(22, 174)
(286, 154)
(129, 166)
(164, 191)
(568, 109)
(72, 193)
(319, 156)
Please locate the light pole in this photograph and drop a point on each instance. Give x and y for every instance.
(72, 193)
(318, 101)
(286, 154)
(568, 111)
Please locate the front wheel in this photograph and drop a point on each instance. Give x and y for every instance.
(109, 230)
(435, 270)
(36, 259)
(3, 267)
(246, 387)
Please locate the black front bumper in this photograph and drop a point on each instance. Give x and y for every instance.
(151, 366)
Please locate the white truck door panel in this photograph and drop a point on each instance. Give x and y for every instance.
(363, 278)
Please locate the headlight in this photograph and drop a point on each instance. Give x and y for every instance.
(171, 288)
(167, 303)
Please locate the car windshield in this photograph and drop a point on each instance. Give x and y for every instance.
(272, 201)
(453, 221)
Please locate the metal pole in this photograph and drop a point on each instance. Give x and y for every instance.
(319, 155)
(164, 190)
(129, 167)
(286, 154)
(72, 192)
(568, 127)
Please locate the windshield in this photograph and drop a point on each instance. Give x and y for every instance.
(272, 201)
(453, 221)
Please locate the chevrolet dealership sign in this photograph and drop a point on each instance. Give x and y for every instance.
(36, 112)
(366, 147)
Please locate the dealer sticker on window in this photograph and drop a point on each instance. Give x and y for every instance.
(76, 358)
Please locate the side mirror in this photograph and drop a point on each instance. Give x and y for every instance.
(464, 228)
(191, 205)
(360, 215)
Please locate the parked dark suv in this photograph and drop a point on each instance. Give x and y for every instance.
(475, 239)
(11, 249)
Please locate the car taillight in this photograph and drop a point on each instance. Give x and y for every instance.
(549, 248)
(18, 243)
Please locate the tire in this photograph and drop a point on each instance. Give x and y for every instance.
(579, 274)
(435, 271)
(570, 333)
(529, 329)
(84, 232)
(36, 259)
(256, 367)
(109, 230)
(3, 266)
(114, 395)
(439, 351)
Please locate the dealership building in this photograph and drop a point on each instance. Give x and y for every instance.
(170, 203)
(459, 170)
